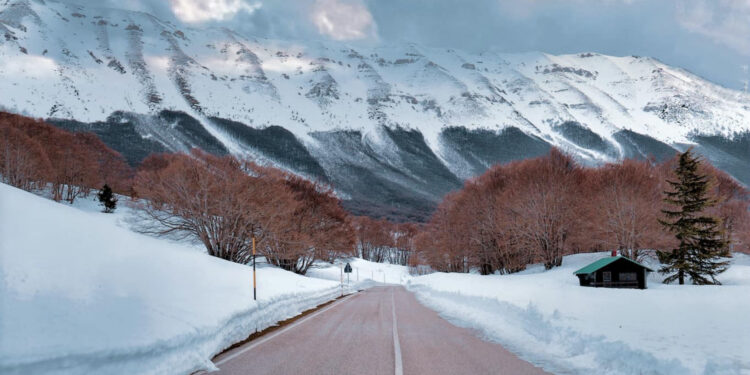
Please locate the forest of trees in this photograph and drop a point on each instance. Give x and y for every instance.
(539, 210)
(224, 202)
(221, 202)
(529, 211)
(383, 241)
(35, 156)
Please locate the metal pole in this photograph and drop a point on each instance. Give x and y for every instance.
(342, 280)
(255, 293)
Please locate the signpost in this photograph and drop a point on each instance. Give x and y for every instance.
(255, 294)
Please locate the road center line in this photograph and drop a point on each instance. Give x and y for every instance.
(399, 367)
(272, 335)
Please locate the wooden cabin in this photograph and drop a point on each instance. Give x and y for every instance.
(614, 272)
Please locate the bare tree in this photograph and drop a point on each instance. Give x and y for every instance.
(625, 208)
(317, 227)
(23, 163)
(541, 206)
(208, 198)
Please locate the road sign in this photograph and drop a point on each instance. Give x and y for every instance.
(348, 268)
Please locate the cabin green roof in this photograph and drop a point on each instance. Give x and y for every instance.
(593, 267)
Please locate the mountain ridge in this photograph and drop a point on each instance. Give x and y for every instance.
(393, 127)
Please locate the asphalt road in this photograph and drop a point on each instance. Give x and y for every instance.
(383, 330)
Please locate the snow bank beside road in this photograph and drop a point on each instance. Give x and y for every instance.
(79, 293)
(548, 319)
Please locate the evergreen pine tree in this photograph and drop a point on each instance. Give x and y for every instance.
(702, 244)
(107, 199)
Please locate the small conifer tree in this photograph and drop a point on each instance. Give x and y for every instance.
(107, 199)
(702, 244)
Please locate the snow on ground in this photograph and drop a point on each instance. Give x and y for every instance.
(364, 273)
(81, 293)
(548, 319)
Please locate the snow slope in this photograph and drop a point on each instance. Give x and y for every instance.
(80, 293)
(58, 58)
(548, 319)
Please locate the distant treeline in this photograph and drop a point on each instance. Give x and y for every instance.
(539, 210)
(222, 202)
(536, 210)
(35, 155)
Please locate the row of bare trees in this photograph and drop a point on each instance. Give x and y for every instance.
(539, 210)
(225, 202)
(384, 242)
(528, 211)
(35, 155)
(222, 202)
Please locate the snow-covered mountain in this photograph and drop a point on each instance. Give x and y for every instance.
(393, 128)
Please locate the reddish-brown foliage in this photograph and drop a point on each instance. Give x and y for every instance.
(73, 163)
(623, 209)
(224, 202)
(112, 169)
(732, 208)
(540, 209)
(208, 198)
(23, 162)
(383, 241)
(317, 227)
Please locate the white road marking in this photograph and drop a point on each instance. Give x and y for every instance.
(399, 367)
(272, 335)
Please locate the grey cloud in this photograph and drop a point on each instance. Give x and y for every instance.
(708, 37)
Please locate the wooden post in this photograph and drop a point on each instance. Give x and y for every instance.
(255, 293)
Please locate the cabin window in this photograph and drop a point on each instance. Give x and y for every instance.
(628, 276)
(607, 276)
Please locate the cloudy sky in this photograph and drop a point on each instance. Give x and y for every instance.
(708, 37)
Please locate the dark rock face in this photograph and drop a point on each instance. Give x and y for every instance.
(585, 138)
(120, 136)
(190, 131)
(136, 136)
(276, 143)
(390, 172)
(729, 154)
(639, 146)
(481, 148)
(402, 181)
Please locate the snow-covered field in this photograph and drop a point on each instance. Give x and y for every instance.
(548, 319)
(81, 293)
